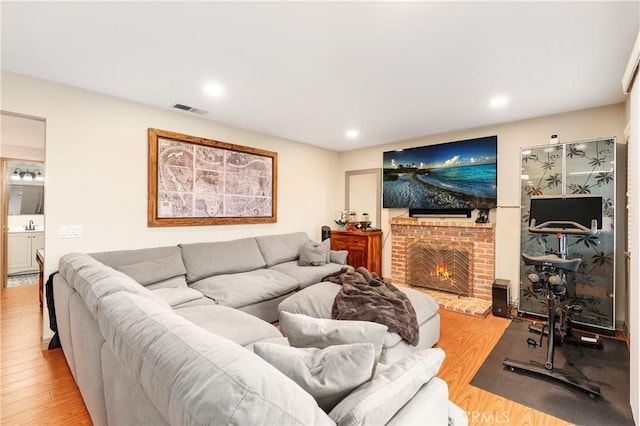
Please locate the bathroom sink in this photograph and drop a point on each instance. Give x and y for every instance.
(17, 229)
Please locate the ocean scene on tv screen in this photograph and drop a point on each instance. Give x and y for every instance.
(454, 175)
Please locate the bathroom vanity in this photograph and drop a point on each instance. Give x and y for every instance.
(21, 253)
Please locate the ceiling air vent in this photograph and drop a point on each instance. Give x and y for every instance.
(190, 109)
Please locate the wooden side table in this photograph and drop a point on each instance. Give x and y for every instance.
(40, 260)
(364, 247)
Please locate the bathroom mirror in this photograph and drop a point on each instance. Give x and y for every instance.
(362, 193)
(26, 199)
(25, 187)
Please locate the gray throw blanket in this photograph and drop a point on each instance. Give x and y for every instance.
(365, 297)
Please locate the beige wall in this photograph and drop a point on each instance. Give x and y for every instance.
(633, 300)
(634, 245)
(22, 137)
(605, 121)
(96, 162)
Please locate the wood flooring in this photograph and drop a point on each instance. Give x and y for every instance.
(467, 341)
(37, 387)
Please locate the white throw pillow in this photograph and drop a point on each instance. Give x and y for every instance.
(328, 374)
(307, 332)
(378, 400)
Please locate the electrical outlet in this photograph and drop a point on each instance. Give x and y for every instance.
(69, 231)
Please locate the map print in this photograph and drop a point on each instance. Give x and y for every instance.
(203, 181)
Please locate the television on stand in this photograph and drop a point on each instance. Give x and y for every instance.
(446, 179)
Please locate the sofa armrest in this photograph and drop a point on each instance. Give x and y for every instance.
(383, 397)
(430, 406)
(339, 256)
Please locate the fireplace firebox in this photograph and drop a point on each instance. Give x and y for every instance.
(440, 266)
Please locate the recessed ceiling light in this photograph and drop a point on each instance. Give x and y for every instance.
(498, 101)
(352, 134)
(214, 89)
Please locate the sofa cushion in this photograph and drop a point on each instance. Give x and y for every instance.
(203, 260)
(129, 257)
(237, 326)
(178, 295)
(241, 289)
(155, 270)
(196, 377)
(307, 332)
(93, 281)
(328, 374)
(179, 281)
(314, 254)
(424, 305)
(306, 275)
(282, 247)
(377, 401)
(315, 301)
(432, 398)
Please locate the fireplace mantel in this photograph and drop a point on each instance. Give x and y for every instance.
(417, 221)
(404, 230)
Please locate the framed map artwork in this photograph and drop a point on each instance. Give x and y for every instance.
(198, 181)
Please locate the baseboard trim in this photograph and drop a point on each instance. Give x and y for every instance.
(44, 343)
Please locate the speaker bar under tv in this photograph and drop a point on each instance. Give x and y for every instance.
(440, 212)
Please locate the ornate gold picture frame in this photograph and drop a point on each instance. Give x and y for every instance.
(198, 181)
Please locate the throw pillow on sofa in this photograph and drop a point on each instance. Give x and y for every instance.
(307, 332)
(315, 254)
(378, 400)
(328, 374)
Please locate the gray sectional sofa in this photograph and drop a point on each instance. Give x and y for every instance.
(250, 274)
(167, 336)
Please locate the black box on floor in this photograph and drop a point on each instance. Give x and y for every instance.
(500, 297)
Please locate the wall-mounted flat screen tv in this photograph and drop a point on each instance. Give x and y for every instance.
(458, 175)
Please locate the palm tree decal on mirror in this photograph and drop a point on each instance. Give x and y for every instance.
(573, 168)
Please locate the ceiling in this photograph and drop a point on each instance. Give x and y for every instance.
(311, 71)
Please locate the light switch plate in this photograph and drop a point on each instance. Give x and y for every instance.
(70, 231)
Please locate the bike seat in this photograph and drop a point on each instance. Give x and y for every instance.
(553, 261)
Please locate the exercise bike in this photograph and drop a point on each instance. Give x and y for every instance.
(550, 278)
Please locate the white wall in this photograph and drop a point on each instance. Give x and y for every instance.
(96, 161)
(607, 121)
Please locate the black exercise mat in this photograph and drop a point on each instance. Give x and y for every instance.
(607, 367)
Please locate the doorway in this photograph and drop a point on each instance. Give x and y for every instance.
(22, 181)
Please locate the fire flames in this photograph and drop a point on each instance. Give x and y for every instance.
(442, 273)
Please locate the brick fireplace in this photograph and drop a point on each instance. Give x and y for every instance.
(419, 245)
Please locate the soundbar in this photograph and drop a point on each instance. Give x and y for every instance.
(440, 212)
